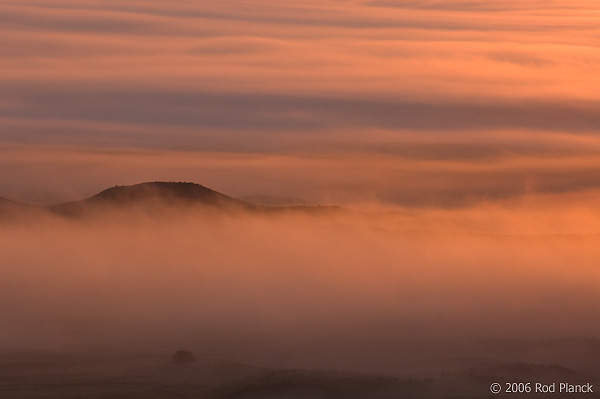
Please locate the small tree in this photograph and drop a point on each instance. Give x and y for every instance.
(183, 357)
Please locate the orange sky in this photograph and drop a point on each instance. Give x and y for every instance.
(458, 99)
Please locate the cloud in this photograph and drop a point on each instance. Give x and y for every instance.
(458, 81)
(277, 112)
(348, 170)
(429, 276)
(472, 126)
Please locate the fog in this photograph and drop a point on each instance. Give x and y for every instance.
(307, 284)
(459, 138)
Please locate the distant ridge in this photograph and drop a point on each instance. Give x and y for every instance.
(275, 201)
(155, 198)
(14, 211)
(152, 195)
(168, 191)
(6, 203)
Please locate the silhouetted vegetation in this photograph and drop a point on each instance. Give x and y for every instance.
(183, 357)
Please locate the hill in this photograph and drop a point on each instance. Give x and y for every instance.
(156, 198)
(153, 196)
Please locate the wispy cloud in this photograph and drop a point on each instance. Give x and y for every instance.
(328, 77)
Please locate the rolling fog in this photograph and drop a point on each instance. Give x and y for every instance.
(275, 284)
(461, 137)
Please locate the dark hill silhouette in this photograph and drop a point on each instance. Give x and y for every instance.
(165, 191)
(152, 196)
(156, 198)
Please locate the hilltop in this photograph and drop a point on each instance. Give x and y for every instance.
(152, 196)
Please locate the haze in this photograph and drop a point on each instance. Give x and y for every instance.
(150, 278)
(452, 147)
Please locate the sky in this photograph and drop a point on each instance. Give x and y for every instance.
(405, 103)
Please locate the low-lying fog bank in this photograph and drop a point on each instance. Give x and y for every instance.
(328, 288)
